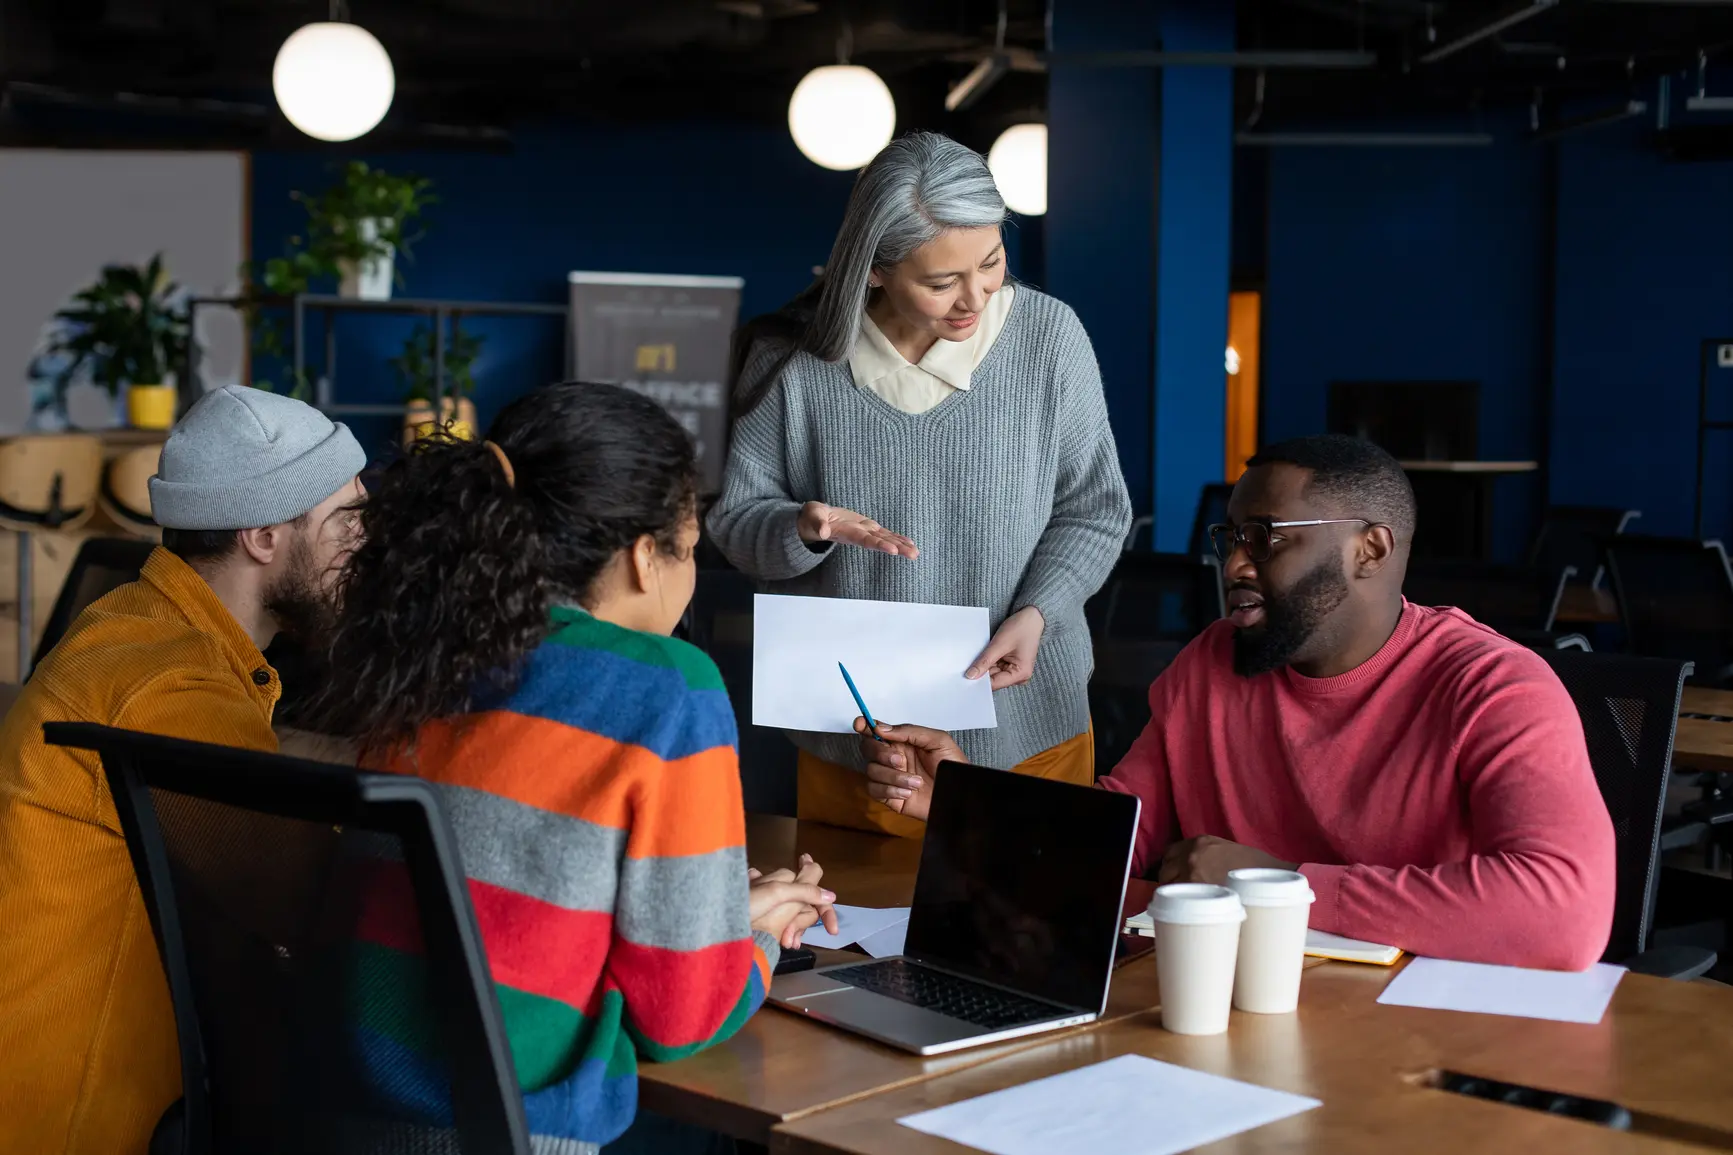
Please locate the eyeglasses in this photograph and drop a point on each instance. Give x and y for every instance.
(1258, 539)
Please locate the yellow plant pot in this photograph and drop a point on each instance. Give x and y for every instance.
(150, 406)
(456, 418)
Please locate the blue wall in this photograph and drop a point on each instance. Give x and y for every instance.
(1433, 264)
(706, 199)
(1411, 264)
(1645, 272)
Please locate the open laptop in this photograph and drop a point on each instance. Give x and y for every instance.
(1014, 926)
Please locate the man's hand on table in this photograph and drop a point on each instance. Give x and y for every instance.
(1208, 859)
(785, 904)
(900, 769)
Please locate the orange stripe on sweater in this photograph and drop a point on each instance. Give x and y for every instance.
(688, 806)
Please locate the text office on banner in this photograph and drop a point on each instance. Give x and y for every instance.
(665, 337)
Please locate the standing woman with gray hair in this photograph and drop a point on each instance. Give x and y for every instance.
(913, 427)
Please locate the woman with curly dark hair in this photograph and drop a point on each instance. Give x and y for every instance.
(505, 632)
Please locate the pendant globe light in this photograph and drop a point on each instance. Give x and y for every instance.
(333, 80)
(1018, 162)
(841, 115)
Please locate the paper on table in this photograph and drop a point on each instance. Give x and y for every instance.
(1561, 996)
(887, 943)
(854, 924)
(1131, 1104)
(907, 660)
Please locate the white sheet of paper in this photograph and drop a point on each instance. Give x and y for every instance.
(1130, 1105)
(887, 943)
(906, 659)
(855, 924)
(1561, 996)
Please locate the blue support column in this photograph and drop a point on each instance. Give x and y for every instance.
(1139, 207)
(1194, 253)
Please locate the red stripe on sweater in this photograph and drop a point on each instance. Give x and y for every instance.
(683, 997)
(541, 949)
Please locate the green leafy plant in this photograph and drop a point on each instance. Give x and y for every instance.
(332, 238)
(415, 366)
(127, 328)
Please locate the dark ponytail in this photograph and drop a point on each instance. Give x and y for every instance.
(451, 587)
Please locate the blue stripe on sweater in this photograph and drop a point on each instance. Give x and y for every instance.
(626, 701)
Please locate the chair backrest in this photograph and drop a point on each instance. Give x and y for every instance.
(1571, 535)
(1630, 709)
(1212, 509)
(1507, 598)
(1675, 598)
(49, 480)
(102, 565)
(719, 622)
(125, 493)
(330, 988)
(1157, 597)
(1152, 605)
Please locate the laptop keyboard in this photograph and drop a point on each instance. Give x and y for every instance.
(959, 998)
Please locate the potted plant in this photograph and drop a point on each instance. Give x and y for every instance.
(128, 330)
(359, 226)
(416, 370)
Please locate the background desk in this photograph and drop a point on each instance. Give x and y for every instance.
(1455, 503)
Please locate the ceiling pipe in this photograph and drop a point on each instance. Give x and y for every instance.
(1630, 109)
(1157, 59)
(1510, 19)
(1364, 139)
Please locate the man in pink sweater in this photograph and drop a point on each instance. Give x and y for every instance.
(1427, 775)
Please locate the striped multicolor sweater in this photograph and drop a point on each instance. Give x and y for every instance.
(599, 819)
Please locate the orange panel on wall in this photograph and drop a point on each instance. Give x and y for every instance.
(1244, 311)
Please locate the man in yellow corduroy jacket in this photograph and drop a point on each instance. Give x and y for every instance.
(255, 494)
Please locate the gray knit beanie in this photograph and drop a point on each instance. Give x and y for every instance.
(243, 458)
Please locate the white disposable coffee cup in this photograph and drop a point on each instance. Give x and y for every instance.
(1197, 940)
(1273, 940)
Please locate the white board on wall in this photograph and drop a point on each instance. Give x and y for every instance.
(65, 213)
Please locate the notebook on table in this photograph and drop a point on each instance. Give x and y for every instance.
(1319, 944)
(1015, 924)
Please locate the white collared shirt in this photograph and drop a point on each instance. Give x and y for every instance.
(945, 369)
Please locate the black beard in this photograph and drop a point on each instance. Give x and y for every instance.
(302, 611)
(1290, 621)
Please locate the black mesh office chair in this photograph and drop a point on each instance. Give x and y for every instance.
(1517, 601)
(1152, 605)
(103, 564)
(262, 876)
(1571, 535)
(1630, 709)
(719, 622)
(1675, 598)
(1212, 509)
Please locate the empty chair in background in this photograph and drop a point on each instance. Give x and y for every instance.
(1519, 602)
(1675, 598)
(1571, 535)
(47, 482)
(1152, 605)
(1212, 509)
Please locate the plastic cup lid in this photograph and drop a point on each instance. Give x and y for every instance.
(1261, 886)
(1195, 904)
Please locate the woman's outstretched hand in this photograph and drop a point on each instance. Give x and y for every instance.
(819, 522)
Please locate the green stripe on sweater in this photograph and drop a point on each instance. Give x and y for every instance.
(390, 997)
(574, 627)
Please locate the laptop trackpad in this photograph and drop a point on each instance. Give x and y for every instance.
(880, 1017)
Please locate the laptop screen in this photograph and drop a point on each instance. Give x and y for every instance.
(1022, 882)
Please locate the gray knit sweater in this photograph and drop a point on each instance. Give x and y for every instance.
(1012, 490)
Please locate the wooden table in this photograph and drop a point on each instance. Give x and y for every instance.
(782, 1066)
(1703, 743)
(1583, 606)
(1664, 1048)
